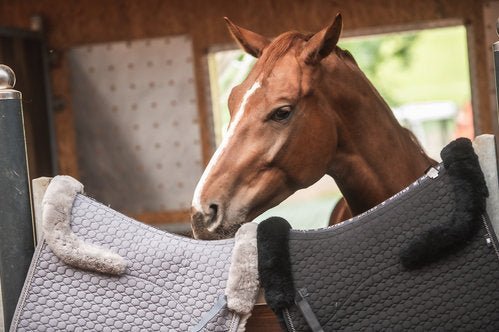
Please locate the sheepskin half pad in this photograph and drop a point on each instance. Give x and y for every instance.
(425, 259)
(98, 270)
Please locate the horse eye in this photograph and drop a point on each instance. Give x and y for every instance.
(281, 113)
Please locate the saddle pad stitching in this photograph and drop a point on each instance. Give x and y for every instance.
(29, 277)
(441, 282)
(232, 318)
(132, 276)
(137, 248)
(137, 273)
(492, 235)
(356, 221)
(35, 264)
(164, 289)
(346, 301)
(235, 321)
(130, 220)
(232, 314)
(175, 296)
(157, 232)
(288, 321)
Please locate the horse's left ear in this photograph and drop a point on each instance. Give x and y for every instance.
(323, 42)
(250, 41)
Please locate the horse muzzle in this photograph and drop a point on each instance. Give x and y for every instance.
(209, 224)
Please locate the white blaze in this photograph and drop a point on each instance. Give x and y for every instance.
(196, 201)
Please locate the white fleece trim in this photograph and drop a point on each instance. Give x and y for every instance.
(56, 217)
(243, 284)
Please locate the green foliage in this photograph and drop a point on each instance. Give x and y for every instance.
(418, 66)
(372, 53)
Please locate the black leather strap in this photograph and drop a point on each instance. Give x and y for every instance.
(307, 311)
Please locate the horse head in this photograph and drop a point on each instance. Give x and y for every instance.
(281, 136)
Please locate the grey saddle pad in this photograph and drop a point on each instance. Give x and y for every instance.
(97, 270)
(423, 260)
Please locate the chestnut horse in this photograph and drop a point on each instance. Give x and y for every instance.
(305, 110)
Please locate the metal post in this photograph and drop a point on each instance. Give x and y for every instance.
(16, 225)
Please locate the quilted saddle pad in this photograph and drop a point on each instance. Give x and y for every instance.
(423, 260)
(98, 270)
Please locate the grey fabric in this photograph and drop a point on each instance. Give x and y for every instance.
(169, 284)
(56, 224)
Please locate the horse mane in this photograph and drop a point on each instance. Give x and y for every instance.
(415, 140)
(345, 55)
(284, 42)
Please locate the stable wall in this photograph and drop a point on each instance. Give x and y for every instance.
(73, 23)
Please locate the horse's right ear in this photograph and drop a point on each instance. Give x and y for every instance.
(250, 41)
(323, 42)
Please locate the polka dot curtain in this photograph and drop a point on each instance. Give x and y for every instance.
(136, 123)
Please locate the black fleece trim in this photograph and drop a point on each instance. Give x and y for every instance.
(470, 191)
(274, 264)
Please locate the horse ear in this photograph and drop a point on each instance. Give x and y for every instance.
(323, 42)
(250, 41)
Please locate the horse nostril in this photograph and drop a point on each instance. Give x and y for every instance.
(213, 213)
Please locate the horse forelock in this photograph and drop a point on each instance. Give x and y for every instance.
(283, 44)
(280, 46)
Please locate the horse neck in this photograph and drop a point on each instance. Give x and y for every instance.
(374, 157)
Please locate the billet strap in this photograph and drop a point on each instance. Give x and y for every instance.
(307, 311)
(212, 313)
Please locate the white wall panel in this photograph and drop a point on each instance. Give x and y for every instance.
(137, 123)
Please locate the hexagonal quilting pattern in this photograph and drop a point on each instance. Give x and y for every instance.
(355, 281)
(169, 283)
